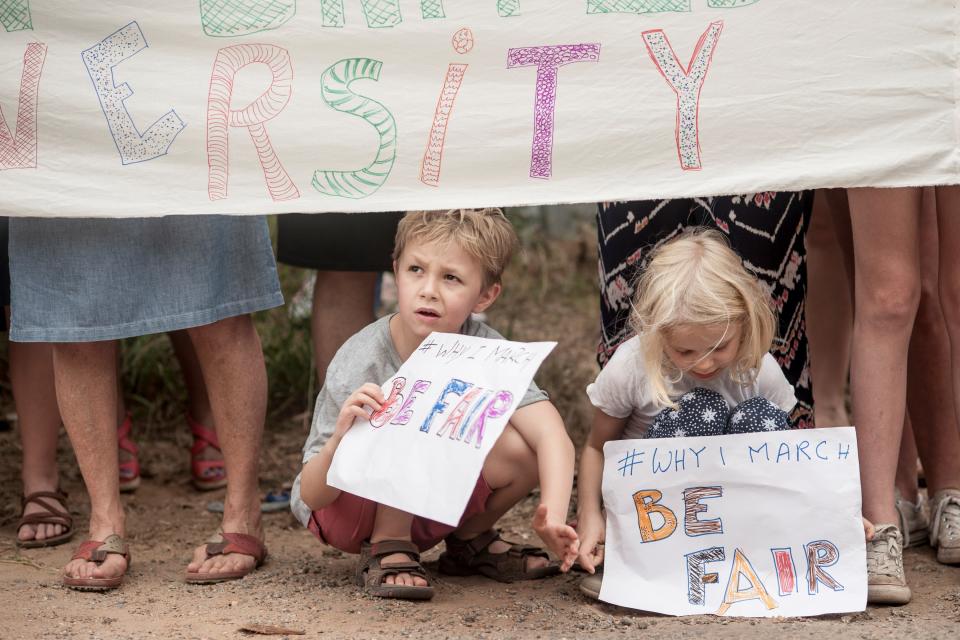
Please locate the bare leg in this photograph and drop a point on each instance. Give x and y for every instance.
(907, 464)
(393, 524)
(198, 403)
(829, 315)
(887, 295)
(929, 388)
(86, 383)
(342, 305)
(511, 471)
(231, 358)
(31, 376)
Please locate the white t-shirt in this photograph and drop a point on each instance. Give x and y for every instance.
(622, 389)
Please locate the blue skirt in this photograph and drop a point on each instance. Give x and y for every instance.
(83, 280)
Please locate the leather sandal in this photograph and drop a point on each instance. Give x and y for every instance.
(225, 543)
(97, 551)
(205, 475)
(371, 571)
(469, 557)
(129, 468)
(51, 514)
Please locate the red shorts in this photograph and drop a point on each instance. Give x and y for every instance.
(348, 521)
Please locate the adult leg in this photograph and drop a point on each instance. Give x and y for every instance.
(829, 313)
(206, 459)
(929, 388)
(231, 359)
(86, 384)
(31, 377)
(887, 294)
(342, 305)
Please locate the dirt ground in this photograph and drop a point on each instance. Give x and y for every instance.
(308, 587)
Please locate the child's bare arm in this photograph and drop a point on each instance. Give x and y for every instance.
(541, 427)
(591, 525)
(314, 490)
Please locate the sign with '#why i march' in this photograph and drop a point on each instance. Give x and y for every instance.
(422, 452)
(760, 524)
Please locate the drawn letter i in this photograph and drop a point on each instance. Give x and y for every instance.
(433, 156)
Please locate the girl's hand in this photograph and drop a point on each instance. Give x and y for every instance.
(868, 529)
(560, 538)
(369, 395)
(592, 529)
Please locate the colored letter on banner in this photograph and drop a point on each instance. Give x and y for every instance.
(547, 60)
(15, 15)
(637, 6)
(507, 8)
(100, 60)
(267, 106)
(686, 83)
(379, 13)
(230, 18)
(18, 150)
(335, 84)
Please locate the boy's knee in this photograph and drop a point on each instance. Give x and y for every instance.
(700, 412)
(511, 459)
(757, 415)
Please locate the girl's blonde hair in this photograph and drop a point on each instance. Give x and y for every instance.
(697, 279)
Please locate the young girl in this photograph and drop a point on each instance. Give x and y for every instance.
(699, 365)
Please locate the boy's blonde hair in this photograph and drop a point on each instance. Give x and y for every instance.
(485, 234)
(697, 279)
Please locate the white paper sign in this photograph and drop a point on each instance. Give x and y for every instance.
(444, 410)
(764, 524)
(146, 108)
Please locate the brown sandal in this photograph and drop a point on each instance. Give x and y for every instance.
(469, 557)
(52, 514)
(371, 571)
(97, 551)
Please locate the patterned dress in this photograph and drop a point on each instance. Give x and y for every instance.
(766, 229)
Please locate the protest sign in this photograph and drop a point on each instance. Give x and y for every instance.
(422, 452)
(760, 524)
(144, 108)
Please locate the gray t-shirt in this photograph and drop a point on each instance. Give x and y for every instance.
(368, 356)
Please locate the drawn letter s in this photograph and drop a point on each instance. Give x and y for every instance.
(335, 85)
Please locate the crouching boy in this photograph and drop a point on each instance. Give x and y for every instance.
(448, 264)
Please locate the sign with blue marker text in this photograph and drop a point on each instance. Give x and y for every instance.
(759, 524)
(144, 108)
(423, 451)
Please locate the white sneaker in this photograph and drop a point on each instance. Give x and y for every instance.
(886, 583)
(590, 585)
(914, 523)
(945, 532)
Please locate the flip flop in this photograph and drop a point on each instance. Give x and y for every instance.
(51, 514)
(97, 551)
(225, 543)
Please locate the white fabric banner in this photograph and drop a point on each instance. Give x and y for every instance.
(763, 524)
(423, 451)
(144, 108)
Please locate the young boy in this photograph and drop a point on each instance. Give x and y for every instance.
(447, 265)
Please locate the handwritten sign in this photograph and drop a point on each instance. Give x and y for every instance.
(762, 524)
(422, 452)
(145, 108)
